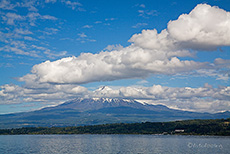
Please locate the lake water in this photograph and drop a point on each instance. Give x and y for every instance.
(113, 144)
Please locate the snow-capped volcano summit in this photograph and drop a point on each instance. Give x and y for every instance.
(87, 104)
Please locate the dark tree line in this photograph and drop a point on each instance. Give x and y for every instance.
(185, 127)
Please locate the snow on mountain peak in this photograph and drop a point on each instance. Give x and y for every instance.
(111, 100)
(105, 99)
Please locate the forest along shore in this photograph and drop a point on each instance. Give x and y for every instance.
(220, 127)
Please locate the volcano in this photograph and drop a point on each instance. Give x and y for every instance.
(94, 111)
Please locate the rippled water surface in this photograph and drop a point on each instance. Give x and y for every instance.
(113, 144)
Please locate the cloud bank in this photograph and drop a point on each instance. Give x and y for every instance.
(150, 52)
(202, 99)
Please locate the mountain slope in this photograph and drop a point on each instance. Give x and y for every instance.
(100, 111)
(83, 105)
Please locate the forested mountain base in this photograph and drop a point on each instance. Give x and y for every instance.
(187, 127)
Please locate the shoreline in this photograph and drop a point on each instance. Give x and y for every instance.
(210, 127)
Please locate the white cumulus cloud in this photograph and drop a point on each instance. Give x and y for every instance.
(130, 62)
(205, 27)
(13, 94)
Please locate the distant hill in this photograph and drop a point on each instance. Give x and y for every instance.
(94, 111)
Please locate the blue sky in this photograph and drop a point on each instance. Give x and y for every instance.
(174, 53)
